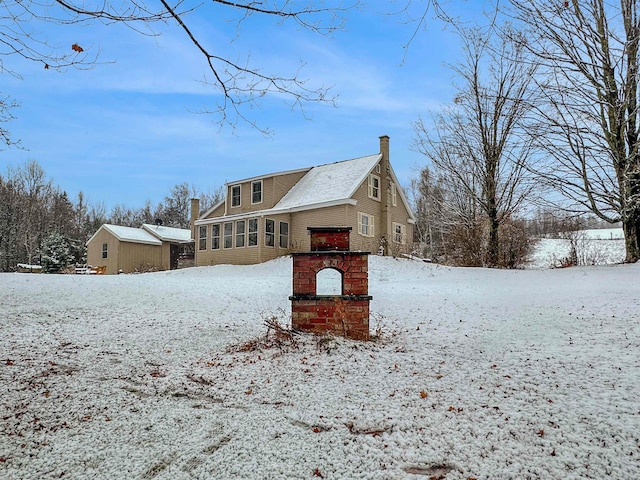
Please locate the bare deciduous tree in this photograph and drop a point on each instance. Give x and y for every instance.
(242, 83)
(588, 50)
(480, 145)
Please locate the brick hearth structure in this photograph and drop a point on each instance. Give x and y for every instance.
(346, 314)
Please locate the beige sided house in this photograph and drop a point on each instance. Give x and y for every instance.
(129, 249)
(264, 217)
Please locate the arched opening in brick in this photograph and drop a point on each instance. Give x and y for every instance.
(329, 281)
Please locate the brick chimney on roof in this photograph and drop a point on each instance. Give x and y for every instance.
(195, 213)
(385, 193)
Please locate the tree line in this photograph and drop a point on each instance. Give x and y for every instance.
(545, 115)
(40, 224)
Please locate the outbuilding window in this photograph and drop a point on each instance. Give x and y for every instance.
(105, 250)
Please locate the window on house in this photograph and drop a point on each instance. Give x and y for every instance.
(215, 236)
(284, 235)
(252, 237)
(399, 233)
(240, 224)
(228, 235)
(256, 191)
(269, 233)
(394, 194)
(202, 238)
(365, 224)
(235, 196)
(374, 187)
(105, 250)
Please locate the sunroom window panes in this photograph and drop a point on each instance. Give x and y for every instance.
(240, 225)
(202, 238)
(252, 236)
(269, 233)
(228, 235)
(215, 236)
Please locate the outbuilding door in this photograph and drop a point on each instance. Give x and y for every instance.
(174, 254)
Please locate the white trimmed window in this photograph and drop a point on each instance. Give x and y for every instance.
(269, 233)
(215, 236)
(284, 235)
(365, 224)
(252, 237)
(374, 187)
(202, 238)
(256, 191)
(399, 233)
(105, 249)
(228, 235)
(394, 194)
(240, 227)
(235, 195)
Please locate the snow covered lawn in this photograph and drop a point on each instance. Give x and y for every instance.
(478, 373)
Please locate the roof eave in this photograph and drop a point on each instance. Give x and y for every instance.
(276, 211)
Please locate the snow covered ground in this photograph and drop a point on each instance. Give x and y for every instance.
(604, 246)
(477, 374)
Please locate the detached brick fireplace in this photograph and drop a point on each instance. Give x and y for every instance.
(345, 314)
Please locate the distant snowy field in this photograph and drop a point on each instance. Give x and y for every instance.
(479, 374)
(596, 247)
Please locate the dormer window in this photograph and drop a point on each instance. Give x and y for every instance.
(374, 187)
(256, 191)
(235, 196)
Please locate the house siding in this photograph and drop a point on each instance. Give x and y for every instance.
(371, 207)
(217, 212)
(94, 251)
(273, 189)
(337, 216)
(140, 257)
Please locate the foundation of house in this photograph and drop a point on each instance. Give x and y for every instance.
(346, 314)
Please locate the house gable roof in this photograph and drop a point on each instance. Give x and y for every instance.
(328, 184)
(168, 234)
(322, 186)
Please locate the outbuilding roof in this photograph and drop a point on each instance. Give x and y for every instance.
(168, 234)
(131, 234)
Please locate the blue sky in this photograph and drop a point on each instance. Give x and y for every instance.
(125, 131)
